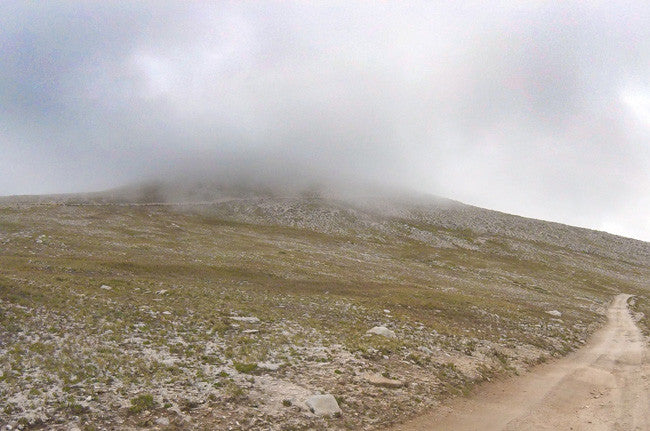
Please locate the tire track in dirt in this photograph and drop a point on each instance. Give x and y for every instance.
(603, 386)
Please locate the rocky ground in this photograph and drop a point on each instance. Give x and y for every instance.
(285, 313)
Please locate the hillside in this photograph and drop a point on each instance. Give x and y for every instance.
(175, 307)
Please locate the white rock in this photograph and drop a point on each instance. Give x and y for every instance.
(381, 330)
(554, 313)
(245, 319)
(105, 287)
(270, 366)
(387, 311)
(425, 349)
(379, 380)
(323, 405)
(167, 312)
(162, 421)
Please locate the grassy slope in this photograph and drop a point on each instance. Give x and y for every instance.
(70, 351)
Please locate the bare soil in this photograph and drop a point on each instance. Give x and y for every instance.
(603, 386)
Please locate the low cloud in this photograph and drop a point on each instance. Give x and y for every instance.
(526, 107)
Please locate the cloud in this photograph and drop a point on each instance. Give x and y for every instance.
(527, 107)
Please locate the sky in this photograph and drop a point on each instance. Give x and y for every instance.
(535, 108)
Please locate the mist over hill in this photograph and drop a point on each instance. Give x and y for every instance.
(334, 207)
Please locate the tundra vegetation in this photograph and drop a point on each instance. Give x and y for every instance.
(230, 315)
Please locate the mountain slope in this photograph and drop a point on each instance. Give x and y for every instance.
(230, 306)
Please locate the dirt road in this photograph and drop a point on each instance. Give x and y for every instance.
(603, 386)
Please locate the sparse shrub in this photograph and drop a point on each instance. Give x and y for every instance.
(415, 359)
(187, 405)
(210, 359)
(244, 367)
(287, 403)
(9, 409)
(233, 390)
(470, 347)
(501, 357)
(76, 409)
(141, 403)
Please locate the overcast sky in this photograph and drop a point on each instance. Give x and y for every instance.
(533, 108)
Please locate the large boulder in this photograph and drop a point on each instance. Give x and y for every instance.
(323, 405)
